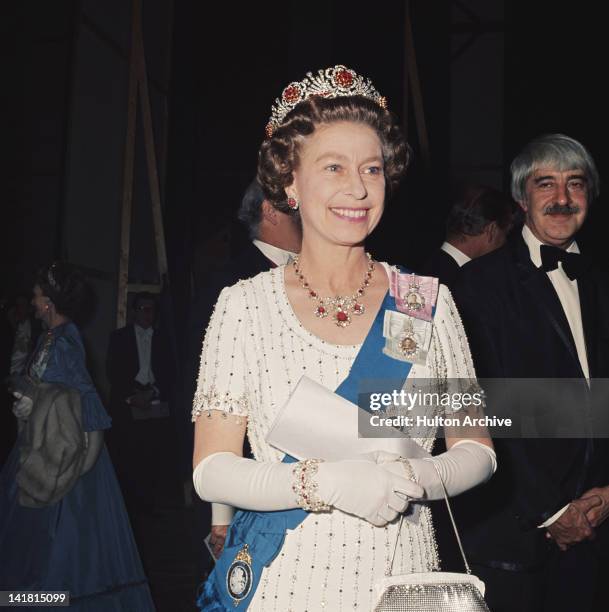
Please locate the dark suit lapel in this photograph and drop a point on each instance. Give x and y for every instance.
(250, 261)
(133, 357)
(536, 282)
(450, 264)
(158, 358)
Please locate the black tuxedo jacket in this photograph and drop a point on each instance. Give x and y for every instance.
(442, 266)
(122, 366)
(517, 328)
(248, 261)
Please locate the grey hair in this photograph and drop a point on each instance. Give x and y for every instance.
(556, 151)
(250, 211)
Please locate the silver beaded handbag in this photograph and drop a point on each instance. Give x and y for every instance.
(431, 591)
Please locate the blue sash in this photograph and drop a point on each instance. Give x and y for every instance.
(264, 532)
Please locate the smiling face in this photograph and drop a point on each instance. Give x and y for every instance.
(556, 204)
(340, 183)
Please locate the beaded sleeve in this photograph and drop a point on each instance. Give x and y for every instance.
(450, 335)
(221, 384)
(452, 355)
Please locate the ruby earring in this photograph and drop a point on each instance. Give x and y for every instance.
(293, 203)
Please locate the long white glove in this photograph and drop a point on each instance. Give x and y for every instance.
(465, 465)
(221, 514)
(358, 487)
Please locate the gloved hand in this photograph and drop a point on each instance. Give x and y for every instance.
(22, 406)
(465, 465)
(366, 489)
(359, 487)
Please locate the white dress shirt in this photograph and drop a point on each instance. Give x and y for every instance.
(275, 254)
(460, 257)
(568, 294)
(143, 338)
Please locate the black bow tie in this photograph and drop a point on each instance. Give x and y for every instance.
(573, 263)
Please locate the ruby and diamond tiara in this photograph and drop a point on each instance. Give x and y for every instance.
(329, 83)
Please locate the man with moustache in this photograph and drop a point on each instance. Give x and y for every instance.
(537, 308)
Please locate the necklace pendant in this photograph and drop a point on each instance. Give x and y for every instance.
(342, 318)
(341, 306)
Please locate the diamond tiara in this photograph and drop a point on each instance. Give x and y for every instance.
(329, 83)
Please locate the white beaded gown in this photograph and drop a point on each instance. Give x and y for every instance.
(254, 352)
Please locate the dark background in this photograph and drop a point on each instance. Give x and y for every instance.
(493, 75)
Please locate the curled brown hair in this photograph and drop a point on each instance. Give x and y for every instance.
(278, 156)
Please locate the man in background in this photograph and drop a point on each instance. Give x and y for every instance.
(275, 236)
(478, 222)
(537, 308)
(140, 373)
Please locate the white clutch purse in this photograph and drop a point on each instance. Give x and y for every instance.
(316, 422)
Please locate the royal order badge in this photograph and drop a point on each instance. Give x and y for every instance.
(408, 345)
(408, 342)
(406, 338)
(239, 577)
(414, 299)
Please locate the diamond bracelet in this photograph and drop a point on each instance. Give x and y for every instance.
(306, 488)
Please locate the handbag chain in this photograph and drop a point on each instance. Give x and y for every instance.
(452, 520)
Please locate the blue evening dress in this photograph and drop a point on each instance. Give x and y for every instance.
(82, 544)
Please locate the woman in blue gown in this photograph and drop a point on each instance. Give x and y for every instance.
(83, 543)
